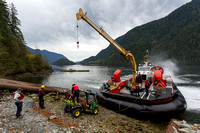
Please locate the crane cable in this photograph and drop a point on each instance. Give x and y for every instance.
(77, 35)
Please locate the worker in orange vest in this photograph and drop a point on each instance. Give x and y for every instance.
(75, 92)
(41, 97)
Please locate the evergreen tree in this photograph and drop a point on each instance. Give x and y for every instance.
(15, 23)
(4, 19)
(14, 56)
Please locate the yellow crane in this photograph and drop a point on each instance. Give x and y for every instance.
(124, 53)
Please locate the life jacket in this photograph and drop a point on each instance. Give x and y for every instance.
(75, 88)
(41, 90)
(146, 83)
(137, 86)
(21, 96)
(67, 95)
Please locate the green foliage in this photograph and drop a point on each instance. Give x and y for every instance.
(177, 35)
(14, 57)
(63, 62)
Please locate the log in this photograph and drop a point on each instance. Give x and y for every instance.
(31, 87)
(71, 70)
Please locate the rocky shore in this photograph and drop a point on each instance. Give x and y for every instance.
(177, 126)
(53, 119)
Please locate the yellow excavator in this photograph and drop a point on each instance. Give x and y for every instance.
(126, 54)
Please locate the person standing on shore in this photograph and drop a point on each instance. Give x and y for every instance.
(18, 96)
(137, 90)
(75, 92)
(41, 97)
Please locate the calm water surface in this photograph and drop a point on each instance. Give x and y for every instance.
(187, 79)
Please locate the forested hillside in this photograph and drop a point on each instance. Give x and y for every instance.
(63, 61)
(176, 35)
(14, 56)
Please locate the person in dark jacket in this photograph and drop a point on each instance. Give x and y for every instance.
(41, 97)
(75, 92)
(18, 96)
(139, 78)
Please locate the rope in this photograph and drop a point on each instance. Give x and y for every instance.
(119, 104)
(130, 104)
(55, 102)
(77, 31)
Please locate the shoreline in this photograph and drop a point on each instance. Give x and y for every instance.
(28, 74)
(105, 121)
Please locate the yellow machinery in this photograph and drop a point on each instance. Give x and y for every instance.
(124, 53)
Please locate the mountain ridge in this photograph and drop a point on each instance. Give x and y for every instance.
(177, 34)
(52, 57)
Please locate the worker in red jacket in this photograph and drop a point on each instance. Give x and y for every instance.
(41, 97)
(75, 92)
(137, 90)
(67, 95)
(147, 84)
(18, 96)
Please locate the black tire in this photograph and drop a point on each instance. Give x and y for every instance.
(76, 113)
(95, 111)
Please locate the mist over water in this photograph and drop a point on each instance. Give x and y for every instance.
(188, 82)
(170, 68)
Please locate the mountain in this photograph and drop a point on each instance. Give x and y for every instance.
(50, 56)
(175, 36)
(63, 61)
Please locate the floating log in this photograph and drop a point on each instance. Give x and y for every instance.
(71, 70)
(31, 87)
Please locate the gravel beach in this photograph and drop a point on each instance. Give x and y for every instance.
(37, 120)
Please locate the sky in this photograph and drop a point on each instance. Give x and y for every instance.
(52, 24)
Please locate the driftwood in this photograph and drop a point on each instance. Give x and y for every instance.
(71, 70)
(31, 87)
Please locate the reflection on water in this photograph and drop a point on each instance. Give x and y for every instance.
(187, 79)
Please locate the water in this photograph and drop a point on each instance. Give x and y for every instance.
(187, 79)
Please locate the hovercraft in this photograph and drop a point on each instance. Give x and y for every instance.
(161, 99)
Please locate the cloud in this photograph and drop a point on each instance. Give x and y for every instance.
(52, 24)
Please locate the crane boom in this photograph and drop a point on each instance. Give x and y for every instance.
(124, 53)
